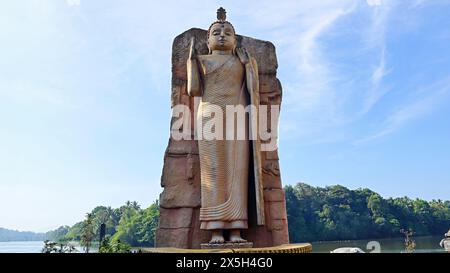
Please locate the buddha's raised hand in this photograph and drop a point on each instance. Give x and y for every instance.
(243, 55)
(192, 53)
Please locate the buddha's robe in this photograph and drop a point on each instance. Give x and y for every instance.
(224, 164)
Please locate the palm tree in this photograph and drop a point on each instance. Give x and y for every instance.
(135, 205)
(87, 232)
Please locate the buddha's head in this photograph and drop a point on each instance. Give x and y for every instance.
(221, 34)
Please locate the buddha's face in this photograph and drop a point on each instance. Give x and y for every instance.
(221, 37)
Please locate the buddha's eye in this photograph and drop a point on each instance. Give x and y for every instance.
(228, 33)
(216, 33)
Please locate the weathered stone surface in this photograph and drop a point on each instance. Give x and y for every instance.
(270, 99)
(271, 174)
(181, 194)
(176, 94)
(271, 181)
(279, 224)
(263, 51)
(180, 168)
(272, 155)
(278, 210)
(172, 237)
(280, 231)
(259, 235)
(198, 236)
(271, 167)
(280, 236)
(180, 52)
(268, 216)
(180, 199)
(176, 218)
(174, 171)
(273, 195)
(182, 147)
(269, 84)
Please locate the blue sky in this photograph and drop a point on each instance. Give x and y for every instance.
(85, 98)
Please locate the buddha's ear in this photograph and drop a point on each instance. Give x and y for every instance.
(209, 49)
(233, 51)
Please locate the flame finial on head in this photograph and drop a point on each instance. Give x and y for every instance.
(221, 14)
(221, 19)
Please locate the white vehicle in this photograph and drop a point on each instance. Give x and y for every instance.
(348, 250)
(445, 243)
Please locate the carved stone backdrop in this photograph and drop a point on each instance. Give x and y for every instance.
(179, 224)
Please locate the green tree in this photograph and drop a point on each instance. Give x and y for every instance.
(108, 246)
(337, 213)
(87, 232)
(57, 235)
(137, 227)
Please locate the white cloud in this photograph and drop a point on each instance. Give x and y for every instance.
(313, 67)
(73, 2)
(311, 97)
(374, 2)
(377, 32)
(377, 90)
(380, 71)
(417, 3)
(376, 45)
(429, 98)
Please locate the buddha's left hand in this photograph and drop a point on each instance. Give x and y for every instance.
(243, 55)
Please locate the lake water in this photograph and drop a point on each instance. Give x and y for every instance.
(425, 244)
(21, 247)
(395, 245)
(25, 247)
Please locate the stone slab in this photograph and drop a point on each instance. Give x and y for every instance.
(175, 218)
(286, 248)
(227, 245)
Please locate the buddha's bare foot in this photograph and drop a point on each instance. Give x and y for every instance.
(235, 236)
(217, 237)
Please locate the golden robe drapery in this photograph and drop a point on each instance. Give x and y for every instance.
(224, 164)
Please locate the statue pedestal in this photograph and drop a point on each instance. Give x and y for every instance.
(227, 245)
(287, 248)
